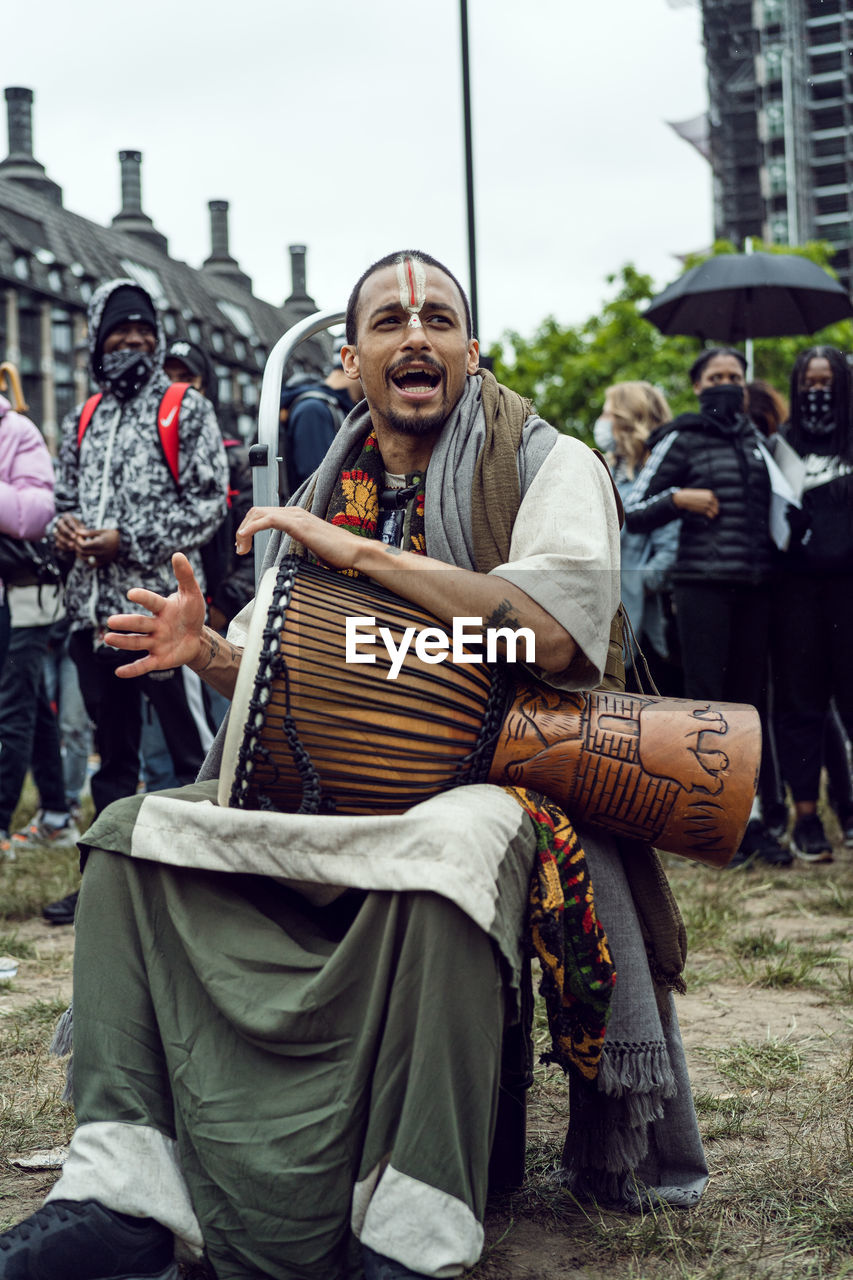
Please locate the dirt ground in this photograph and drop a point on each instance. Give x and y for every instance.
(47, 976)
(543, 1237)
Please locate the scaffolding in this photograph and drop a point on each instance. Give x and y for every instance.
(780, 82)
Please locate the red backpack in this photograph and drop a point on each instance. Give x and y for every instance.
(168, 420)
(216, 553)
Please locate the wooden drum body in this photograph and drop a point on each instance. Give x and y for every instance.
(679, 774)
(311, 732)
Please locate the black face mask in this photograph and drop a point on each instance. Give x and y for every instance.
(722, 405)
(816, 413)
(126, 371)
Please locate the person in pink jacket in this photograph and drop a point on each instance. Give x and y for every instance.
(26, 490)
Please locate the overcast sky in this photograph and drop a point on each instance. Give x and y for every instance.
(338, 124)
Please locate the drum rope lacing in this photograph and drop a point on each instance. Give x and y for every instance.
(475, 766)
(255, 758)
(271, 664)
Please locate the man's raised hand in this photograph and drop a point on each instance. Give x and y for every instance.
(171, 635)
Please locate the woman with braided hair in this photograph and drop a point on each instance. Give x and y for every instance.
(811, 645)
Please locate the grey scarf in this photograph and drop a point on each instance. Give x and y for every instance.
(450, 475)
(633, 1137)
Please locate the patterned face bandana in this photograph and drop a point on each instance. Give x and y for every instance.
(816, 410)
(125, 372)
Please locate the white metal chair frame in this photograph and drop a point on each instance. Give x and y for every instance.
(264, 456)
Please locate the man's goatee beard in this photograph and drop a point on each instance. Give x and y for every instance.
(417, 426)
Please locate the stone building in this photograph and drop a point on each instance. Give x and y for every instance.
(51, 260)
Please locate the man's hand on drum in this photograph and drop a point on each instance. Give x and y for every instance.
(171, 635)
(446, 591)
(337, 547)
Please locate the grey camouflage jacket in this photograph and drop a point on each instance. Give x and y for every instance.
(120, 479)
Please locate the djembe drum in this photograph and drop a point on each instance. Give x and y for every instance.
(313, 732)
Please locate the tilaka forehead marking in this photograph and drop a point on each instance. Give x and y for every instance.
(411, 277)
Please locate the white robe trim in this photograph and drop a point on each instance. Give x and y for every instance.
(426, 1230)
(133, 1169)
(430, 848)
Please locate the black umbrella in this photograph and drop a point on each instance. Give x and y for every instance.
(750, 295)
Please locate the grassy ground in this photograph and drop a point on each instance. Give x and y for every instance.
(768, 1026)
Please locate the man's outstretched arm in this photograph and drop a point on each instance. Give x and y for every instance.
(446, 591)
(174, 634)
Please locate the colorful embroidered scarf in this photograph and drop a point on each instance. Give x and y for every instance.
(354, 503)
(563, 930)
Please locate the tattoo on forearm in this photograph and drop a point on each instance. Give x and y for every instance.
(213, 645)
(216, 646)
(503, 615)
(392, 551)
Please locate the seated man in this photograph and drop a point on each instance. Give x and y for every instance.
(288, 1027)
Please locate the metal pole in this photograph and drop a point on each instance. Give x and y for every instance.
(750, 350)
(469, 168)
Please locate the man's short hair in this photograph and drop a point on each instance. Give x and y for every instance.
(391, 260)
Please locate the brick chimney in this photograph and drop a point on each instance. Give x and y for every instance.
(299, 303)
(131, 220)
(20, 164)
(297, 271)
(220, 262)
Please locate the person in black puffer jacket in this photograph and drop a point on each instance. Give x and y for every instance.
(811, 641)
(707, 470)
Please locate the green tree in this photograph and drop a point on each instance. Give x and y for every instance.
(566, 371)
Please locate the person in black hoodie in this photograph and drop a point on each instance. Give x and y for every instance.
(811, 644)
(706, 469)
(311, 415)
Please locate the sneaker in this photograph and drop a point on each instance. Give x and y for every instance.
(773, 852)
(40, 832)
(61, 912)
(749, 845)
(809, 840)
(6, 849)
(84, 1239)
(378, 1267)
(845, 821)
(776, 821)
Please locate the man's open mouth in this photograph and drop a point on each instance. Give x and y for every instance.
(416, 380)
